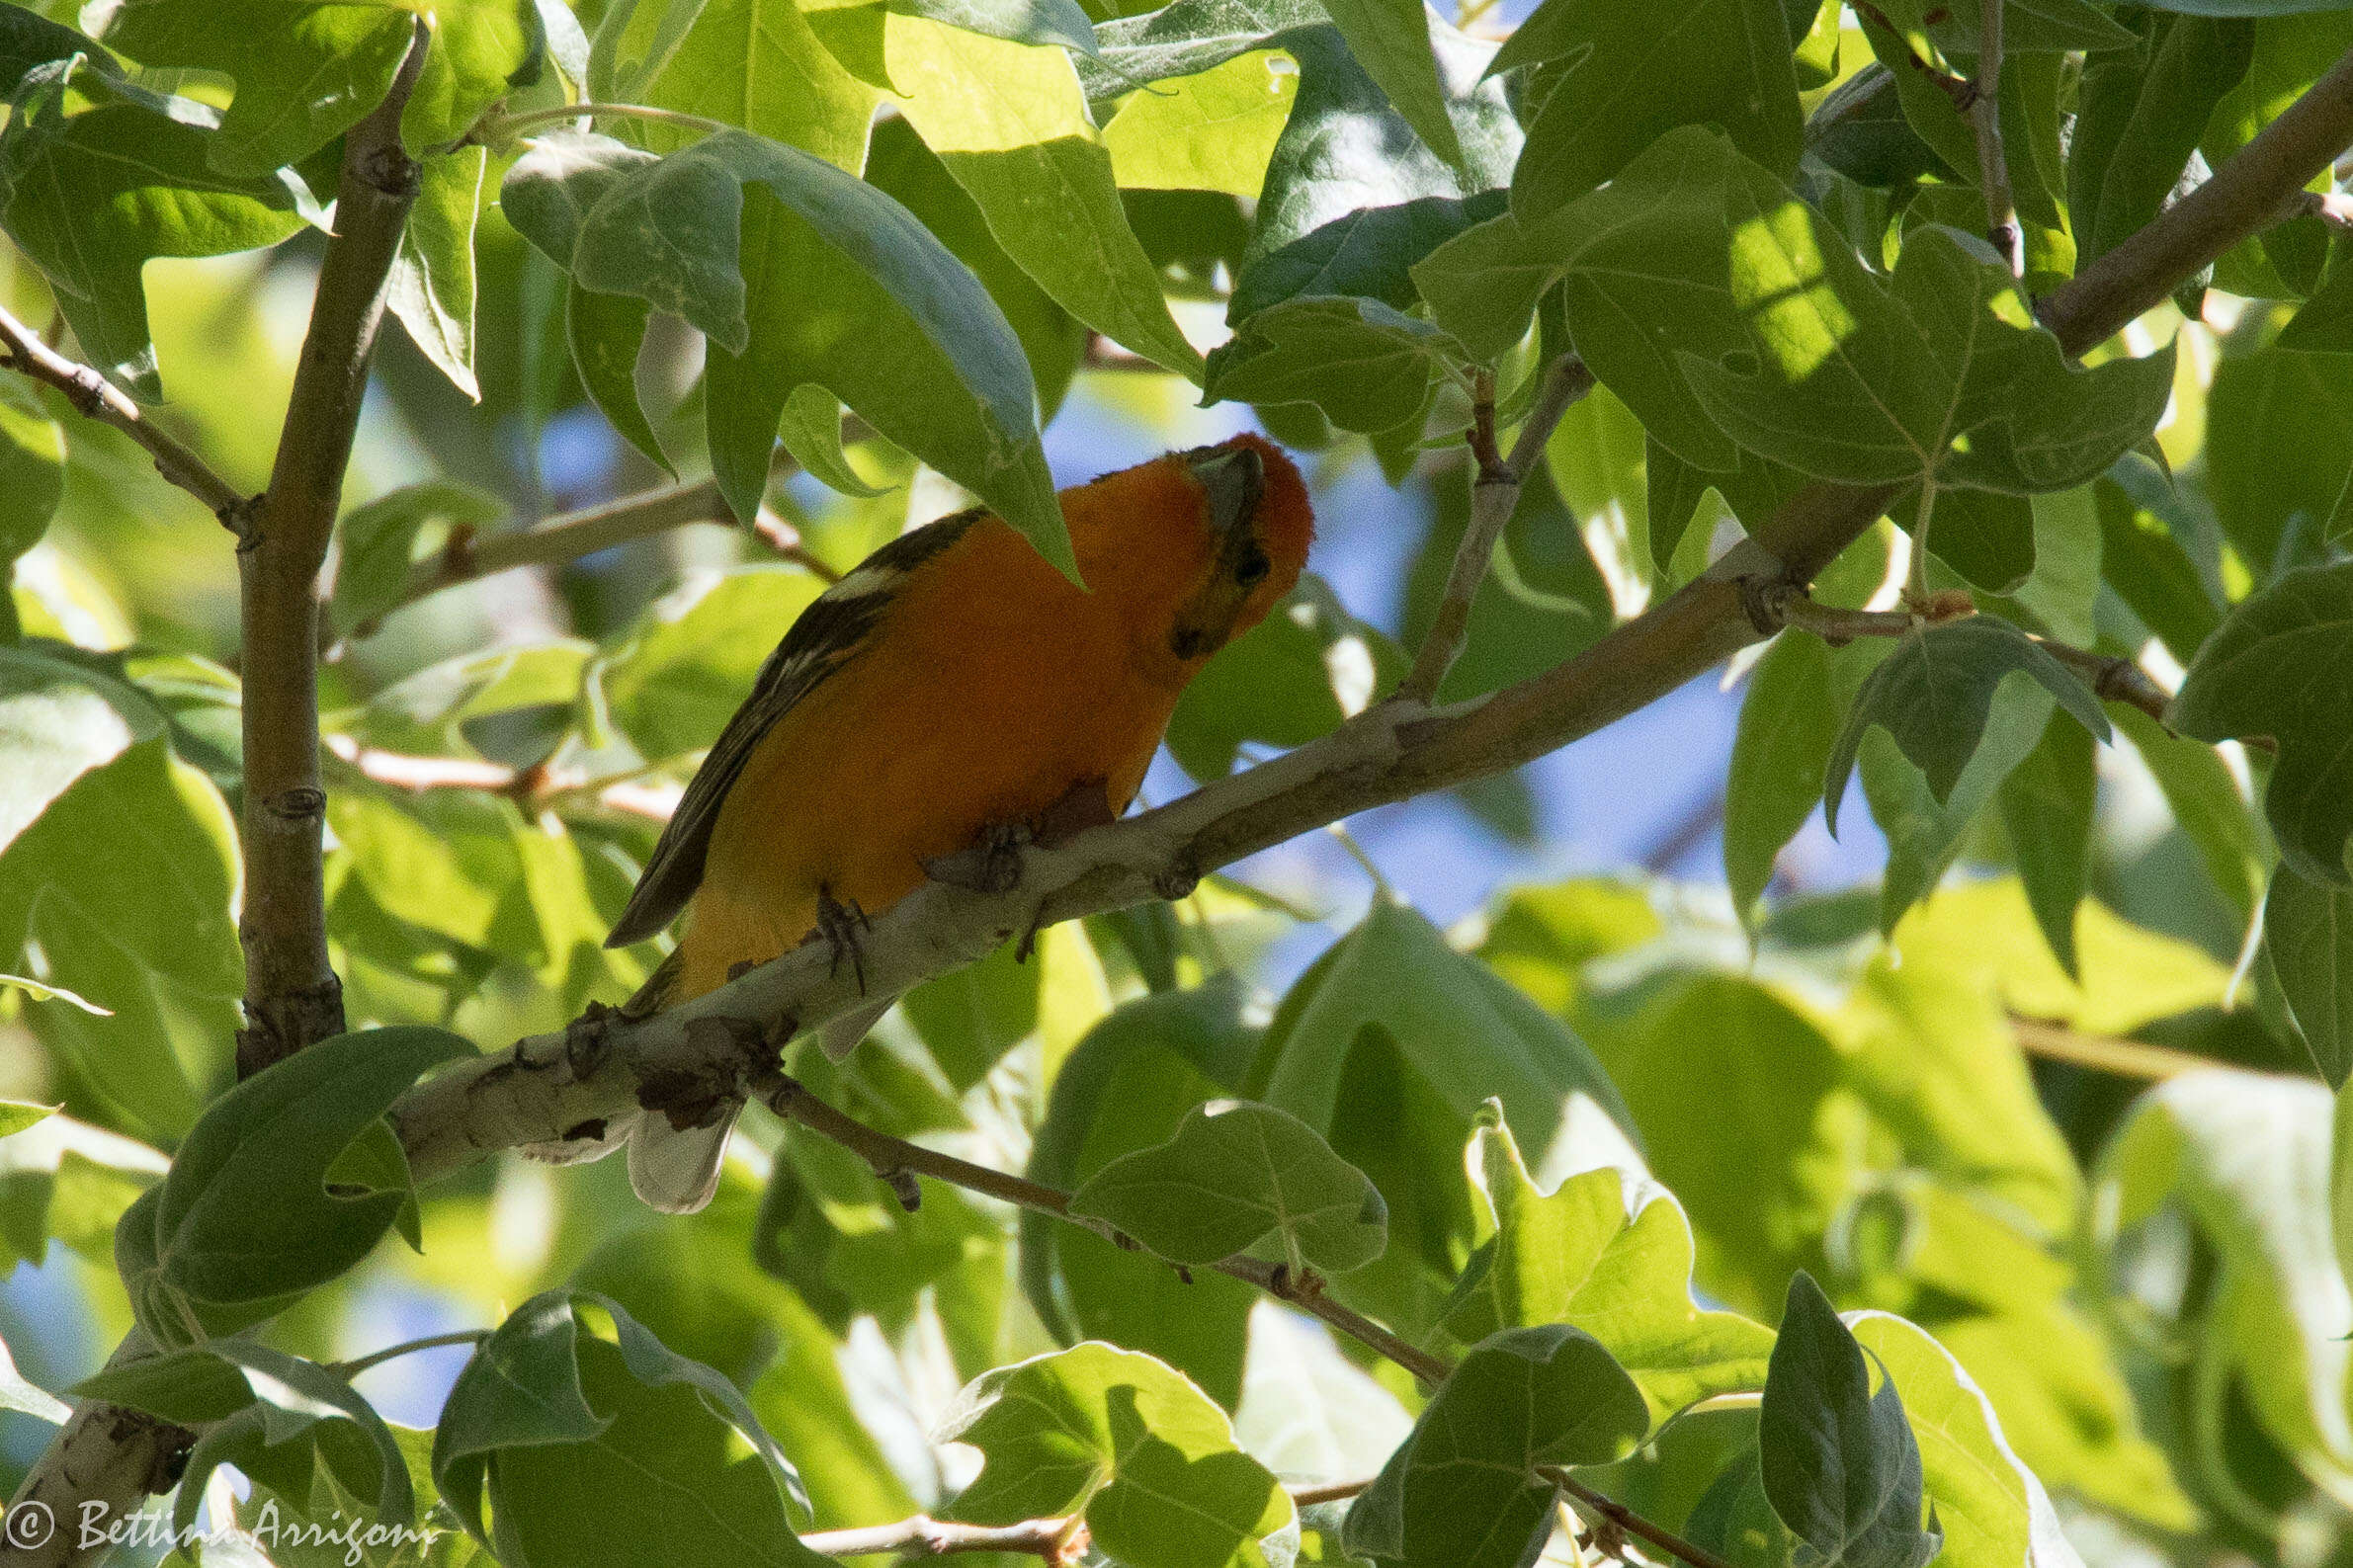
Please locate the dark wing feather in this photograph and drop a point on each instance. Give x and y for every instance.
(828, 634)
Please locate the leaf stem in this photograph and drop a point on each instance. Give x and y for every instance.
(347, 1370)
(1057, 1539)
(1916, 591)
(2126, 1058)
(1494, 493)
(1993, 169)
(29, 354)
(502, 128)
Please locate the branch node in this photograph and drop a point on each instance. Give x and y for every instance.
(904, 1187)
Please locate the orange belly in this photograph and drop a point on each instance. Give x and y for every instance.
(908, 753)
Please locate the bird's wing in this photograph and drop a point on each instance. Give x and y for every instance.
(828, 634)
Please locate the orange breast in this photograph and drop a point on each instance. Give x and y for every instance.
(989, 690)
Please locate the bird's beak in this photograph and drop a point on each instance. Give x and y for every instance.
(1233, 482)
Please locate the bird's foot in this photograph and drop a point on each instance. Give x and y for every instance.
(843, 927)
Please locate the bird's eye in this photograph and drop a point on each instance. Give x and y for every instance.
(1252, 568)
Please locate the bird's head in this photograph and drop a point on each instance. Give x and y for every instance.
(1203, 542)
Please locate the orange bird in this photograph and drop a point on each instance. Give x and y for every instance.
(954, 684)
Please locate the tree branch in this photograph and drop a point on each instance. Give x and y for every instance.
(28, 353)
(535, 790)
(1494, 493)
(1993, 169)
(291, 994)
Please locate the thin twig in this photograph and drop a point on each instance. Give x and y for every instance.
(1630, 1522)
(1494, 493)
(291, 994)
(2126, 1058)
(892, 1159)
(570, 536)
(1993, 169)
(2111, 676)
(347, 1370)
(2332, 207)
(1054, 1540)
(28, 353)
(534, 789)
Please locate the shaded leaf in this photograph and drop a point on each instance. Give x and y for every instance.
(1840, 1464)
(2308, 928)
(2047, 805)
(1233, 1175)
(1462, 1488)
(1146, 1459)
(1934, 694)
(2282, 666)
(1788, 722)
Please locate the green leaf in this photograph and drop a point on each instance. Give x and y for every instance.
(29, 39)
(844, 288)
(1213, 131)
(1614, 80)
(245, 1220)
(2142, 525)
(18, 1115)
(306, 72)
(1297, 675)
(1125, 1087)
(1790, 1117)
(1576, 1256)
(1368, 366)
(1986, 537)
(1369, 252)
(757, 64)
(2246, 1155)
(2282, 666)
(1388, 1046)
(606, 332)
(1136, 1448)
(1841, 1466)
(32, 480)
(1317, 175)
(90, 199)
(440, 860)
(2308, 928)
(57, 721)
(1462, 1490)
(1189, 37)
(2204, 797)
(2278, 429)
(1864, 386)
(1233, 1175)
(2140, 116)
(67, 1180)
(281, 1397)
(2047, 805)
(123, 893)
(900, 166)
(811, 431)
(1788, 722)
(564, 1429)
(432, 288)
(1993, 1511)
(16, 1393)
(676, 682)
(1010, 123)
(1934, 694)
(380, 541)
(1391, 41)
